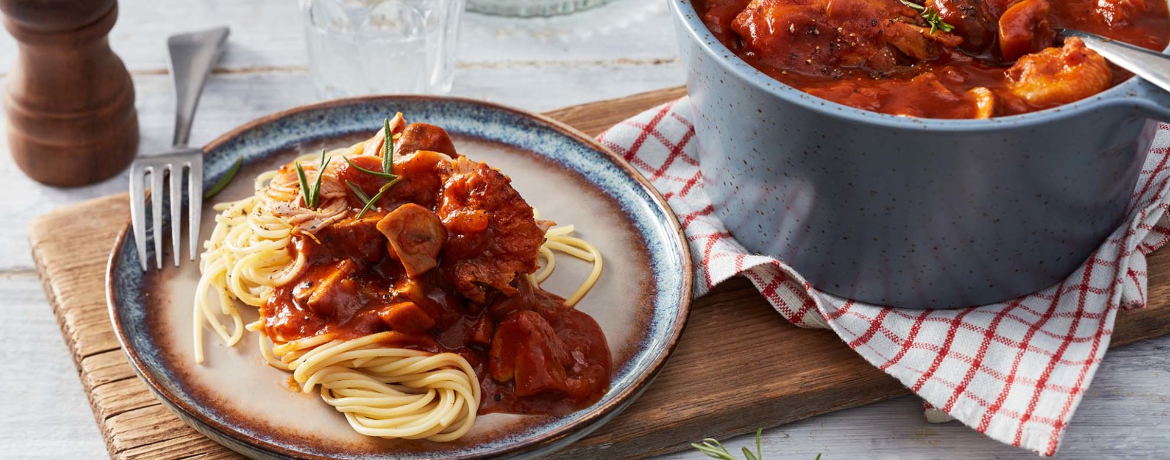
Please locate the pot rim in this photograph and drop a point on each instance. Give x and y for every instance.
(1128, 93)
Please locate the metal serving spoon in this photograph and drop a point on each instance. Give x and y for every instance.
(1154, 67)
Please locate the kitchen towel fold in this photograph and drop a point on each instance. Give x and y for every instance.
(1015, 371)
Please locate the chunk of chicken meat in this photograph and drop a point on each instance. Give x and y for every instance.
(919, 42)
(420, 177)
(421, 136)
(527, 350)
(374, 145)
(491, 233)
(1117, 13)
(972, 20)
(1059, 75)
(1025, 28)
(415, 237)
(411, 138)
(819, 37)
(984, 102)
(997, 7)
(333, 292)
(719, 16)
(406, 317)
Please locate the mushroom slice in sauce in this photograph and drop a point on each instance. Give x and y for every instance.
(415, 237)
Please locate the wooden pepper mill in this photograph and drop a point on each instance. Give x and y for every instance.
(69, 100)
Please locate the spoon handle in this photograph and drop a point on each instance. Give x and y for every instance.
(1152, 66)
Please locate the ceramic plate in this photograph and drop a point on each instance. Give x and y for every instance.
(641, 300)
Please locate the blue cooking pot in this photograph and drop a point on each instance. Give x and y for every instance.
(912, 212)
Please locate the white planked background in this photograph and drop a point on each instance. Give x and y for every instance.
(537, 64)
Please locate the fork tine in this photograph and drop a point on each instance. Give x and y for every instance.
(195, 201)
(137, 208)
(156, 206)
(176, 182)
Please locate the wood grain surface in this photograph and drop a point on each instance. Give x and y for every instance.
(794, 373)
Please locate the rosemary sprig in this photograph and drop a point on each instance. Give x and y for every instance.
(388, 149)
(357, 191)
(312, 195)
(304, 183)
(383, 175)
(320, 174)
(712, 448)
(225, 180)
(931, 16)
(386, 173)
(376, 197)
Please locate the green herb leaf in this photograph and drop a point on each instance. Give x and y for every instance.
(371, 172)
(759, 453)
(357, 191)
(225, 180)
(388, 150)
(712, 448)
(312, 195)
(304, 184)
(381, 191)
(316, 193)
(931, 16)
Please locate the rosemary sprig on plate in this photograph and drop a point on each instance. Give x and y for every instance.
(312, 195)
(357, 191)
(225, 180)
(388, 149)
(931, 16)
(377, 196)
(386, 173)
(711, 447)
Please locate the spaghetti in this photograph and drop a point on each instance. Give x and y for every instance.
(401, 377)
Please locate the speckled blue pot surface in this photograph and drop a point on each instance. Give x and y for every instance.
(641, 301)
(912, 212)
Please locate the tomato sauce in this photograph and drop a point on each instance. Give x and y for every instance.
(531, 352)
(847, 51)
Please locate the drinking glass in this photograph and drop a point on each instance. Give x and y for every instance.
(530, 8)
(381, 46)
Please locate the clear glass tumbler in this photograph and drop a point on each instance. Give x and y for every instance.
(531, 8)
(381, 46)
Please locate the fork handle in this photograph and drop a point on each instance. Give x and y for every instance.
(191, 57)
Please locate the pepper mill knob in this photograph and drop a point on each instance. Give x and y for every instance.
(69, 99)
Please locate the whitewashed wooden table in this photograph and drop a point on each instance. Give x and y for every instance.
(537, 64)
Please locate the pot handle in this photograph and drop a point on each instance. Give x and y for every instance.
(1153, 67)
(1152, 101)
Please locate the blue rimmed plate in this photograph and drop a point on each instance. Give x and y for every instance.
(641, 300)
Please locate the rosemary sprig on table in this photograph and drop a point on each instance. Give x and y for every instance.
(225, 180)
(312, 195)
(711, 447)
(386, 173)
(931, 16)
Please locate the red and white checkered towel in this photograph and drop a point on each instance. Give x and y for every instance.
(1015, 371)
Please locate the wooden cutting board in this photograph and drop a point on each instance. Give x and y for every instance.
(738, 366)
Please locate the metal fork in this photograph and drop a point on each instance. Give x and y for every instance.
(191, 57)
